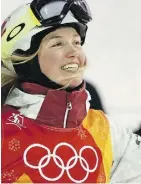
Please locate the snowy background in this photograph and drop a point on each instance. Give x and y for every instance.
(113, 48)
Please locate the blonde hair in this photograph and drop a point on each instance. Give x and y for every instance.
(8, 73)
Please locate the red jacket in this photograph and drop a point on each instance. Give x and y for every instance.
(40, 150)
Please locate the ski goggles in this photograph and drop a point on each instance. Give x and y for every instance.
(51, 12)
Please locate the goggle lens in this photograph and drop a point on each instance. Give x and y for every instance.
(52, 9)
(48, 12)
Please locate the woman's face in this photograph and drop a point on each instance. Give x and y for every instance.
(61, 55)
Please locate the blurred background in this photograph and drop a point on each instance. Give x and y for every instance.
(113, 48)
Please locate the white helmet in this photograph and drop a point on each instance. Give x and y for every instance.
(34, 20)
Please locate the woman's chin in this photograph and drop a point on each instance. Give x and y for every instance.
(75, 83)
(71, 84)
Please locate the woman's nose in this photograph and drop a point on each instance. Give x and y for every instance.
(72, 52)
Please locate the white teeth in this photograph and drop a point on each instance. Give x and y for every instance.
(70, 67)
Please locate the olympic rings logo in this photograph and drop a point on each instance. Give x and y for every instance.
(84, 164)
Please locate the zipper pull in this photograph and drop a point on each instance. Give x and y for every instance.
(69, 107)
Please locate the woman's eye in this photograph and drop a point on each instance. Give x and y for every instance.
(78, 42)
(57, 44)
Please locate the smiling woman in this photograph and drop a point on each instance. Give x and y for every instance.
(50, 133)
(62, 58)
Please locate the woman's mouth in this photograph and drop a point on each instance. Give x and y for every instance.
(70, 67)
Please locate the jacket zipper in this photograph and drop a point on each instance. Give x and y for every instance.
(68, 108)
